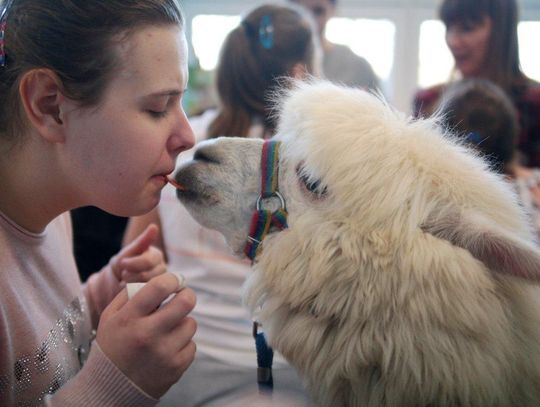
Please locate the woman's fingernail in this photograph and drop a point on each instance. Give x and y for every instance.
(181, 281)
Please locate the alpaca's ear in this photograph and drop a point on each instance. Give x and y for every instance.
(498, 249)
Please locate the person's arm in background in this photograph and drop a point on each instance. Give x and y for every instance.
(137, 224)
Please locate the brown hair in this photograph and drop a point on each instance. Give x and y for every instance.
(482, 113)
(75, 39)
(503, 53)
(248, 71)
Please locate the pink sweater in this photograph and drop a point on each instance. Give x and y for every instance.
(46, 321)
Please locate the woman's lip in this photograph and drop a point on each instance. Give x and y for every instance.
(165, 175)
(167, 178)
(160, 178)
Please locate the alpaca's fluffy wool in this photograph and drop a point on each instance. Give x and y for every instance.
(384, 291)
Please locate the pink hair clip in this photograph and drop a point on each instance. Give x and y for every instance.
(3, 21)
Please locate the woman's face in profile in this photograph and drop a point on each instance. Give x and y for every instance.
(469, 42)
(122, 150)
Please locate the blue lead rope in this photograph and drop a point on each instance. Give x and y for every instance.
(262, 221)
(265, 356)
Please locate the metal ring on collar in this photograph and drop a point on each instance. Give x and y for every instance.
(275, 193)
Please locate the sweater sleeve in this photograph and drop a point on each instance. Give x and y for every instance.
(100, 383)
(425, 101)
(99, 290)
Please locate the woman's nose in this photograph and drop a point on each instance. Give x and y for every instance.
(453, 38)
(182, 137)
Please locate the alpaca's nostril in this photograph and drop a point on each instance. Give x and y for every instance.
(203, 155)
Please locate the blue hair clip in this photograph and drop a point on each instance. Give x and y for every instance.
(266, 32)
(474, 137)
(3, 20)
(2, 52)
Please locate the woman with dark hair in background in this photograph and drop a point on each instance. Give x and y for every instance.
(251, 67)
(482, 36)
(271, 44)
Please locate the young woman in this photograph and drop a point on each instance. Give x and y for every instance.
(91, 115)
(270, 44)
(482, 36)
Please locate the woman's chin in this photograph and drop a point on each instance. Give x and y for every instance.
(469, 70)
(136, 209)
(148, 205)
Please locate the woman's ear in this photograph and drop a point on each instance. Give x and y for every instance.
(41, 96)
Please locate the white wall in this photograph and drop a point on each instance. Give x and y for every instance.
(407, 16)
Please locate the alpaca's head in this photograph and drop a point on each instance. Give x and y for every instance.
(380, 209)
(334, 157)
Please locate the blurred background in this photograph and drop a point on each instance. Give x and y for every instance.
(403, 40)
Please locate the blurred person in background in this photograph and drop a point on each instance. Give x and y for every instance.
(484, 117)
(340, 63)
(482, 37)
(271, 44)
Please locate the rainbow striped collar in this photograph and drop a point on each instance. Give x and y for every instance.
(263, 220)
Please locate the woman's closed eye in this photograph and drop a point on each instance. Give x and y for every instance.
(157, 114)
(157, 109)
(161, 110)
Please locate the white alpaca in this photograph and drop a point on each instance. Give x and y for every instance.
(406, 276)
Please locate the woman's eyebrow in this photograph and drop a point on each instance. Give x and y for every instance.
(167, 92)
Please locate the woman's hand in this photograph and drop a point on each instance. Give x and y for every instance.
(149, 343)
(139, 261)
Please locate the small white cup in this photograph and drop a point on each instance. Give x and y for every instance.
(133, 288)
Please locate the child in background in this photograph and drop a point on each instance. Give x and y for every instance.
(271, 43)
(484, 115)
(90, 115)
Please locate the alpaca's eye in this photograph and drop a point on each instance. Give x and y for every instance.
(312, 186)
